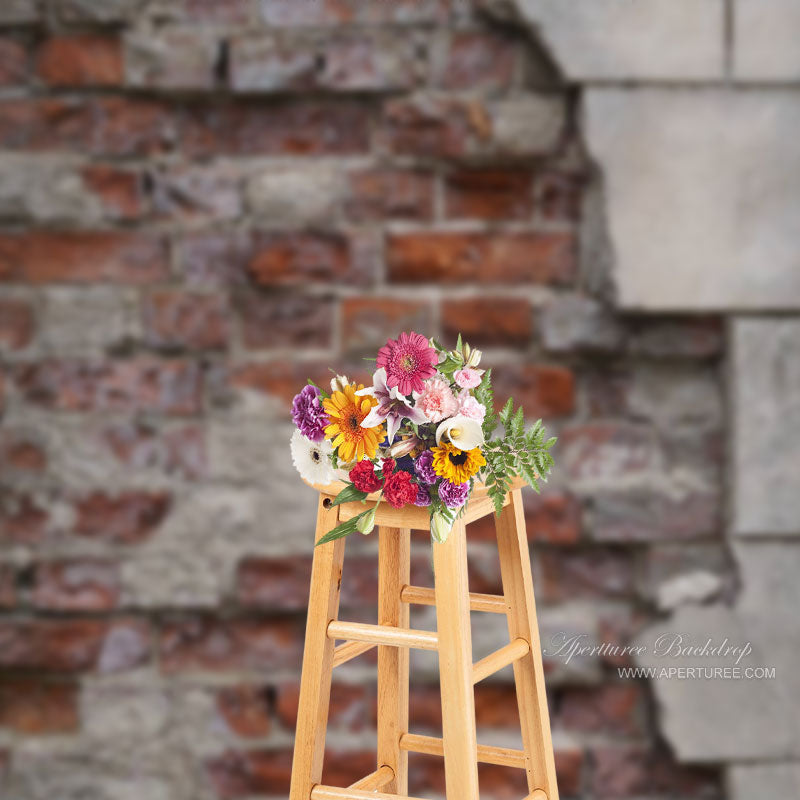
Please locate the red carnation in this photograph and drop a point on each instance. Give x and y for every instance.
(388, 467)
(399, 490)
(364, 478)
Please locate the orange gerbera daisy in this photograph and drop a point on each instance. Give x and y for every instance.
(347, 412)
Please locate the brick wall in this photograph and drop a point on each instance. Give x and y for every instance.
(205, 203)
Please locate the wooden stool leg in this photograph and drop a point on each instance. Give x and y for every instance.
(455, 665)
(315, 683)
(394, 563)
(515, 568)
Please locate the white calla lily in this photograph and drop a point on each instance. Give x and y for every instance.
(463, 432)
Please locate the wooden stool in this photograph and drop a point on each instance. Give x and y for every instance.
(452, 640)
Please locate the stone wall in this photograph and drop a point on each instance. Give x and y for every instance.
(204, 203)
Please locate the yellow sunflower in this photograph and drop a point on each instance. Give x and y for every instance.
(346, 412)
(457, 466)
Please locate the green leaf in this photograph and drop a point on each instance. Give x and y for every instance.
(508, 409)
(348, 495)
(342, 530)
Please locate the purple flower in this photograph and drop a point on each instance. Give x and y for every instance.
(423, 466)
(392, 407)
(308, 414)
(453, 495)
(423, 496)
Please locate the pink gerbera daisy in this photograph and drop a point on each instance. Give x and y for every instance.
(408, 361)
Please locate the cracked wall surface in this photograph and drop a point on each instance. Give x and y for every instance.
(202, 204)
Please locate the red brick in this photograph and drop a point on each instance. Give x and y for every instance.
(367, 322)
(169, 387)
(238, 644)
(425, 708)
(118, 190)
(176, 451)
(352, 706)
(552, 518)
(81, 60)
(45, 257)
(593, 574)
(241, 774)
(132, 126)
(245, 709)
(608, 450)
(631, 770)
(615, 710)
(16, 324)
(198, 192)
(496, 706)
(282, 583)
(569, 770)
(214, 260)
(543, 391)
(76, 585)
(30, 706)
(13, 63)
(505, 258)
(73, 645)
(645, 515)
(23, 519)
(45, 124)
(283, 379)
(8, 589)
(283, 128)
(489, 194)
(679, 337)
(492, 322)
(214, 10)
(558, 196)
(380, 194)
(127, 518)
(291, 259)
(174, 318)
(347, 62)
(21, 452)
(345, 12)
(287, 320)
(429, 127)
(479, 61)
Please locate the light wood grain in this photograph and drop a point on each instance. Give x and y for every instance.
(422, 596)
(455, 665)
(332, 793)
(515, 569)
(538, 794)
(487, 754)
(500, 658)
(375, 781)
(394, 565)
(382, 634)
(350, 650)
(315, 682)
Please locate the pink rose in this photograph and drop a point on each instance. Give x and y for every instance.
(468, 378)
(469, 407)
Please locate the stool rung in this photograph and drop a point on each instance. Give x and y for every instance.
(419, 595)
(348, 651)
(537, 794)
(383, 634)
(500, 658)
(375, 780)
(487, 754)
(320, 792)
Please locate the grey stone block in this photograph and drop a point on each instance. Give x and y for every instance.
(717, 719)
(703, 196)
(766, 355)
(618, 39)
(746, 781)
(766, 36)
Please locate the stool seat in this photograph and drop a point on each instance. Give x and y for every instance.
(452, 641)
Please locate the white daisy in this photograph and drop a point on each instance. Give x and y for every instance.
(311, 459)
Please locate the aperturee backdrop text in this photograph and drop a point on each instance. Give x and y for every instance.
(421, 434)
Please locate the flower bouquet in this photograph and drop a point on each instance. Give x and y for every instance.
(422, 434)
